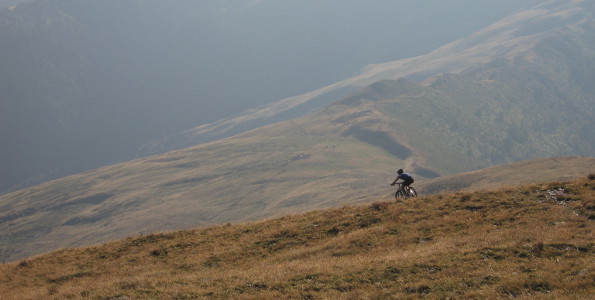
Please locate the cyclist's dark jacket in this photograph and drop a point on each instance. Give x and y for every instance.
(406, 178)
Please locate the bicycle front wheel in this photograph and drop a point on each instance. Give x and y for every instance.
(399, 195)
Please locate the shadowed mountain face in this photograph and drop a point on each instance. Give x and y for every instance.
(512, 93)
(87, 83)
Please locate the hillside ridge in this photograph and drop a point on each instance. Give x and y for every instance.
(527, 241)
(554, 168)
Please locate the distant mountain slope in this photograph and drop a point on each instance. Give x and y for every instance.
(549, 45)
(456, 124)
(528, 242)
(80, 90)
(257, 175)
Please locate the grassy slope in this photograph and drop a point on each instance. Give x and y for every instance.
(513, 174)
(530, 241)
(280, 169)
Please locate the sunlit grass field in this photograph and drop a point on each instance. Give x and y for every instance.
(534, 241)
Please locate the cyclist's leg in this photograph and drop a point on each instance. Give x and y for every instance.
(406, 187)
(412, 192)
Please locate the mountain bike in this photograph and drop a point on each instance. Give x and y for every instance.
(409, 192)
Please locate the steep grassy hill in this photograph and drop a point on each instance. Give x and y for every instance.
(287, 168)
(534, 241)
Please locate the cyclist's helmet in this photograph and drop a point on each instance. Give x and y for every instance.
(400, 171)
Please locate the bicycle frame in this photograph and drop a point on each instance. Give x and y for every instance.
(405, 191)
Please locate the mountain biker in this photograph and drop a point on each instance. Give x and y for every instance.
(407, 180)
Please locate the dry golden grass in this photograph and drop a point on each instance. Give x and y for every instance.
(529, 242)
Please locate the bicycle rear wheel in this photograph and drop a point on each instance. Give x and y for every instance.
(412, 192)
